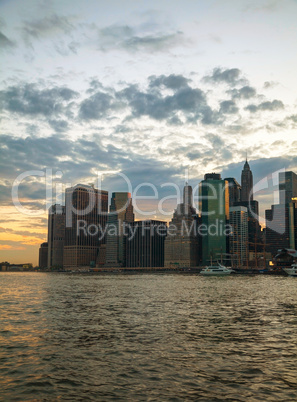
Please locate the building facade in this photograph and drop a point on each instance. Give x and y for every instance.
(56, 236)
(121, 212)
(43, 255)
(287, 187)
(214, 207)
(281, 219)
(86, 215)
(234, 191)
(239, 236)
(246, 183)
(281, 227)
(182, 242)
(145, 244)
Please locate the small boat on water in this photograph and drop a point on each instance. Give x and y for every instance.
(216, 270)
(292, 271)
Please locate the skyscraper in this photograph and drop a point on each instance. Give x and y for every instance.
(234, 191)
(121, 212)
(287, 187)
(246, 183)
(86, 214)
(145, 244)
(214, 207)
(279, 228)
(239, 237)
(181, 244)
(281, 219)
(56, 235)
(43, 251)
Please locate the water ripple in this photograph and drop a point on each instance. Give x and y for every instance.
(147, 337)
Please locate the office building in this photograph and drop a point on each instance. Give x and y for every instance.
(182, 243)
(234, 191)
(86, 215)
(281, 227)
(56, 235)
(255, 241)
(145, 244)
(214, 207)
(287, 187)
(121, 212)
(239, 236)
(246, 183)
(43, 252)
(281, 219)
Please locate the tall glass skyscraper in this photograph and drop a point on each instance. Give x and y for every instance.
(121, 211)
(214, 207)
(287, 187)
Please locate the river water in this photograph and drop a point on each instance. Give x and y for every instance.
(152, 337)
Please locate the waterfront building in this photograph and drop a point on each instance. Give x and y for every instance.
(246, 183)
(255, 241)
(234, 191)
(43, 255)
(145, 244)
(239, 236)
(56, 236)
(281, 227)
(214, 207)
(287, 187)
(121, 212)
(86, 215)
(182, 241)
(281, 219)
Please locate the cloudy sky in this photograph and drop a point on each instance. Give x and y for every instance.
(158, 90)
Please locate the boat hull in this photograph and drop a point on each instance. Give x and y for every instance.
(291, 271)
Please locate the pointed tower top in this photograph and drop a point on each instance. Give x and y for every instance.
(246, 165)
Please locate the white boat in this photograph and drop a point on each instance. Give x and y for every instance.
(216, 270)
(292, 271)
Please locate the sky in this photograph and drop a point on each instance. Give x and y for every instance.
(160, 92)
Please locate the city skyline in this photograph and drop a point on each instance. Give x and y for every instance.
(149, 91)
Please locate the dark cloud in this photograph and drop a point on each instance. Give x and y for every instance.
(59, 125)
(171, 81)
(228, 107)
(267, 105)
(193, 155)
(269, 84)
(48, 26)
(293, 118)
(97, 106)
(153, 42)
(28, 99)
(190, 101)
(5, 42)
(132, 39)
(77, 160)
(185, 102)
(230, 76)
(245, 92)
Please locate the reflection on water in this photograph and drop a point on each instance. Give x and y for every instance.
(147, 337)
